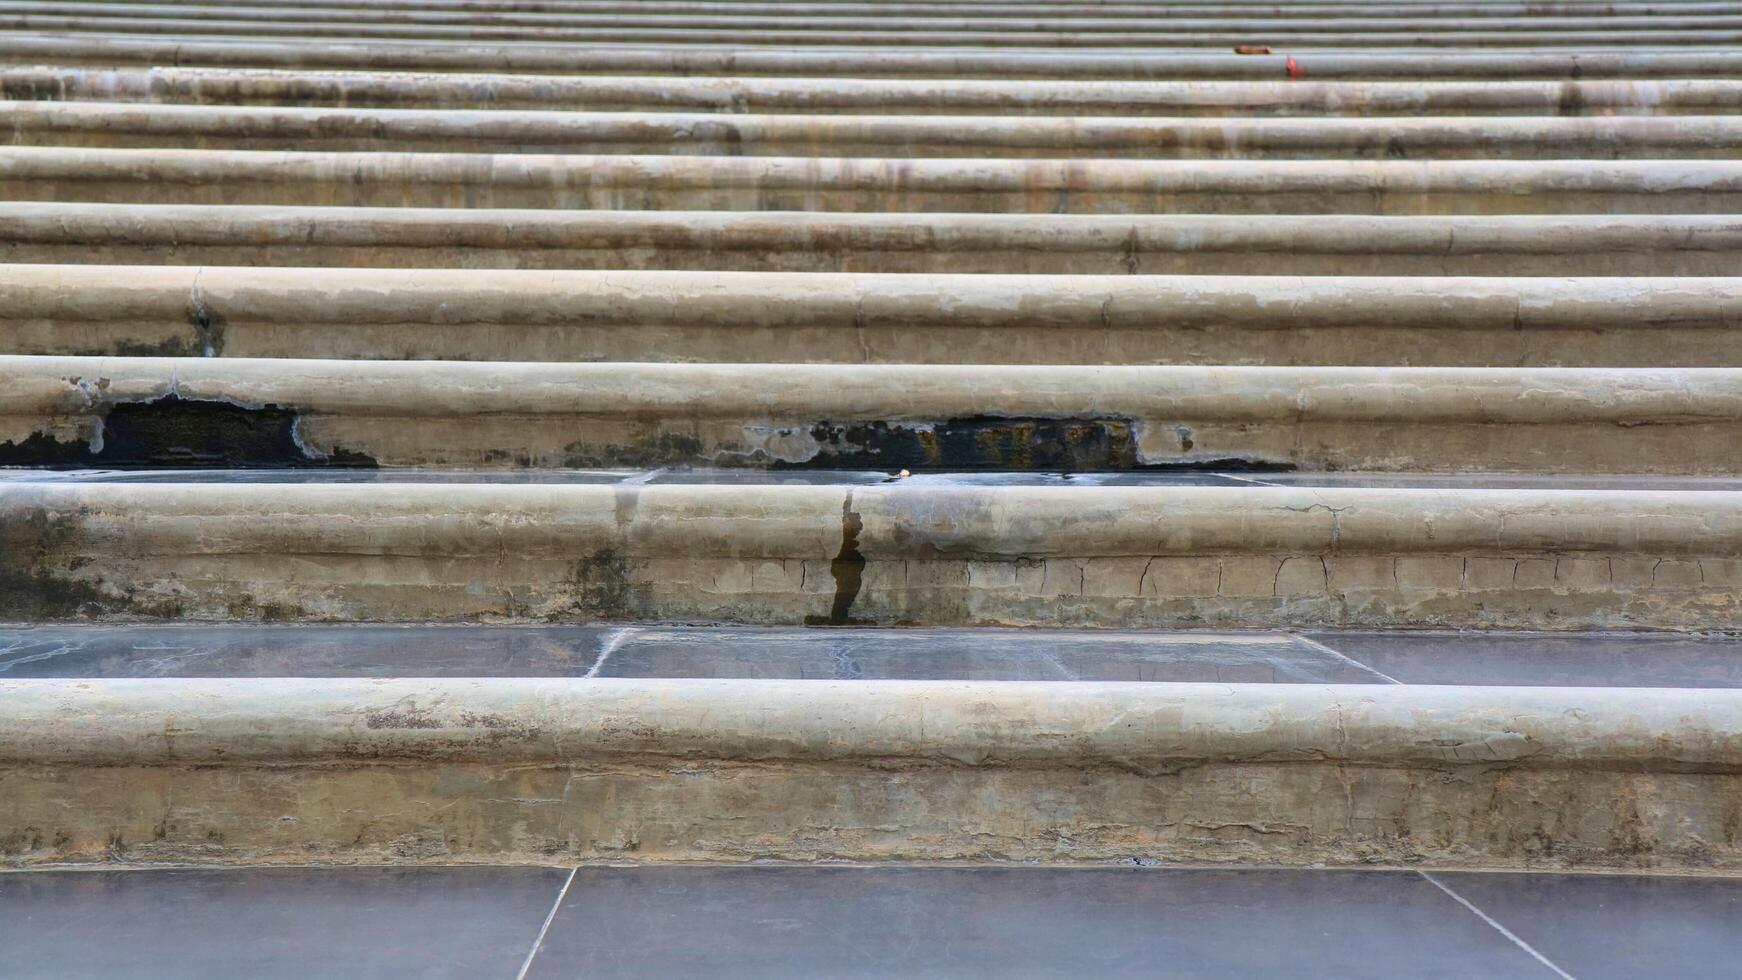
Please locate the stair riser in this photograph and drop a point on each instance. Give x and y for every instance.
(922, 555)
(182, 411)
(819, 317)
(984, 8)
(1079, 20)
(893, 96)
(123, 125)
(110, 51)
(1223, 38)
(114, 234)
(217, 177)
(558, 772)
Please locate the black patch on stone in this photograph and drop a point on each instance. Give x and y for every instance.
(183, 433)
(990, 443)
(848, 570)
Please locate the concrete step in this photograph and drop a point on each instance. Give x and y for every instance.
(274, 412)
(877, 20)
(589, 763)
(386, 568)
(923, 551)
(867, 317)
(112, 50)
(299, 128)
(1487, 245)
(980, 8)
(901, 96)
(907, 18)
(899, 32)
(516, 180)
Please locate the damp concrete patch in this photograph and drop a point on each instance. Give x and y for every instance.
(182, 432)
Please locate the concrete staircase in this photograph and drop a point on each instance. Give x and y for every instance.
(801, 336)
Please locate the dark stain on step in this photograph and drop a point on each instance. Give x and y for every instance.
(37, 549)
(847, 569)
(602, 586)
(180, 432)
(992, 443)
(659, 450)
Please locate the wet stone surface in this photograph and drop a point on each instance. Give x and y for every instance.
(180, 432)
(679, 652)
(822, 476)
(1546, 659)
(786, 921)
(270, 923)
(1497, 658)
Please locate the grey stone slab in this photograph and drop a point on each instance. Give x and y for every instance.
(1498, 481)
(1610, 927)
(978, 654)
(299, 651)
(749, 476)
(323, 475)
(992, 922)
(755, 477)
(213, 650)
(267, 923)
(1547, 659)
(674, 475)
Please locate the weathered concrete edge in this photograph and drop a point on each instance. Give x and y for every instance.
(1131, 237)
(46, 387)
(305, 296)
(1152, 727)
(912, 521)
(1349, 37)
(115, 49)
(113, 123)
(679, 182)
(237, 86)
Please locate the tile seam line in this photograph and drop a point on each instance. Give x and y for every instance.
(544, 929)
(1309, 641)
(1490, 920)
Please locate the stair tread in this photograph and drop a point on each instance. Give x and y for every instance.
(1482, 658)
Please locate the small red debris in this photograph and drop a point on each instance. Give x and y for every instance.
(1293, 69)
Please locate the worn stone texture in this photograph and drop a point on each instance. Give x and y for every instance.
(1364, 245)
(402, 413)
(708, 811)
(867, 317)
(194, 127)
(887, 185)
(1054, 34)
(672, 60)
(1478, 777)
(1095, 556)
(920, 196)
(898, 96)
